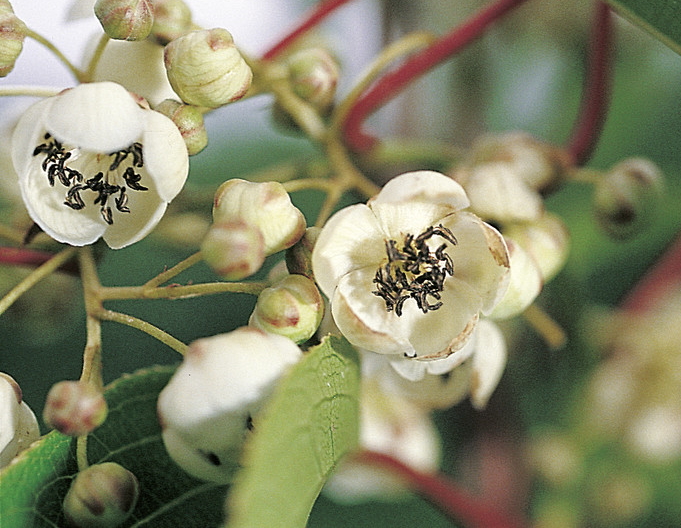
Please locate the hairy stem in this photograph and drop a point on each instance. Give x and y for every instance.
(395, 81)
(457, 504)
(170, 273)
(89, 72)
(596, 93)
(311, 19)
(42, 40)
(147, 328)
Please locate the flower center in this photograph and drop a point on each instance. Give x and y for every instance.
(414, 271)
(119, 166)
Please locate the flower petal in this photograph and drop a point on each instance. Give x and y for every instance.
(488, 362)
(28, 134)
(165, 154)
(351, 239)
(98, 117)
(480, 258)
(423, 186)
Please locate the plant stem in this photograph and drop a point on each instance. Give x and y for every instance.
(393, 82)
(147, 328)
(89, 72)
(28, 91)
(312, 18)
(14, 256)
(42, 40)
(174, 291)
(42, 271)
(457, 504)
(545, 326)
(92, 357)
(174, 271)
(596, 93)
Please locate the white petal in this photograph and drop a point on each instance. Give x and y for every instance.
(408, 218)
(165, 154)
(28, 134)
(98, 117)
(489, 361)
(351, 239)
(480, 258)
(46, 207)
(424, 186)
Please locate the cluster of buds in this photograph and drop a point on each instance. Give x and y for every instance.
(18, 424)
(12, 34)
(250, 222)
(75, 408)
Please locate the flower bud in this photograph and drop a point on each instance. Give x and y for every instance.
(546, 240)
(103, 495)
(314, 74)
(214, 397)
(189, 121)
(18, 425)
(293, 308)
(125, 19)
(299, 255)
(526, 283)
(235, 250)
(12, 34)
(172, 19)
(625, 197)
(265, 205)
(75, 408)
(206, 69)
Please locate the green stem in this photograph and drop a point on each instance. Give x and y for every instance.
(89, 72)
(28, 90)
(174, 271)
(42, 40)
(144, 326)
(36, 276)
(180, 292)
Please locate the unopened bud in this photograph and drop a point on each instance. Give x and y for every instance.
(18, 424)
(299, 255)
(75, 408)
(206, 69)
(172, 19)
(314, 74)
(234, 250)
(189, 121)
(101, 496)
(214, 397)
(266, 206)
(626, 196)
(125, 19)
(546, 240)
(12, 34)
(292, 308)
(525, 284)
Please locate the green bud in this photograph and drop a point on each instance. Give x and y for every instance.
(102, 496)
(626, 196)
(172, 19)
(235, 250)
(12, 34)
(206, 69)
(125, 19)
(75, 408)
(299, 256)
(314, 74)
(189, 121)
(293, 308)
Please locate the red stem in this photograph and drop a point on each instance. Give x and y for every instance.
(657, 282)
(455, 503)
(31, 258)
(393, 82)
(314, 17)
(596, 94)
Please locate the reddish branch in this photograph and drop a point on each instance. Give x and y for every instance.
(455, 503)
(31, 258)
(596, 94)
(314, 17)
(393, 82)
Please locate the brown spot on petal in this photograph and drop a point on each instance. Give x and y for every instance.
(15, 386)
(497, 245)
(457, 343)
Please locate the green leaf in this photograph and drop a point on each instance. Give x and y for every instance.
(308, 426)
(661, 18)
(33, 488)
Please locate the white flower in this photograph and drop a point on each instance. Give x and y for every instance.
(410, 272)
(214, 397)
(473, 371)
(94, 163)
(18, 424)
